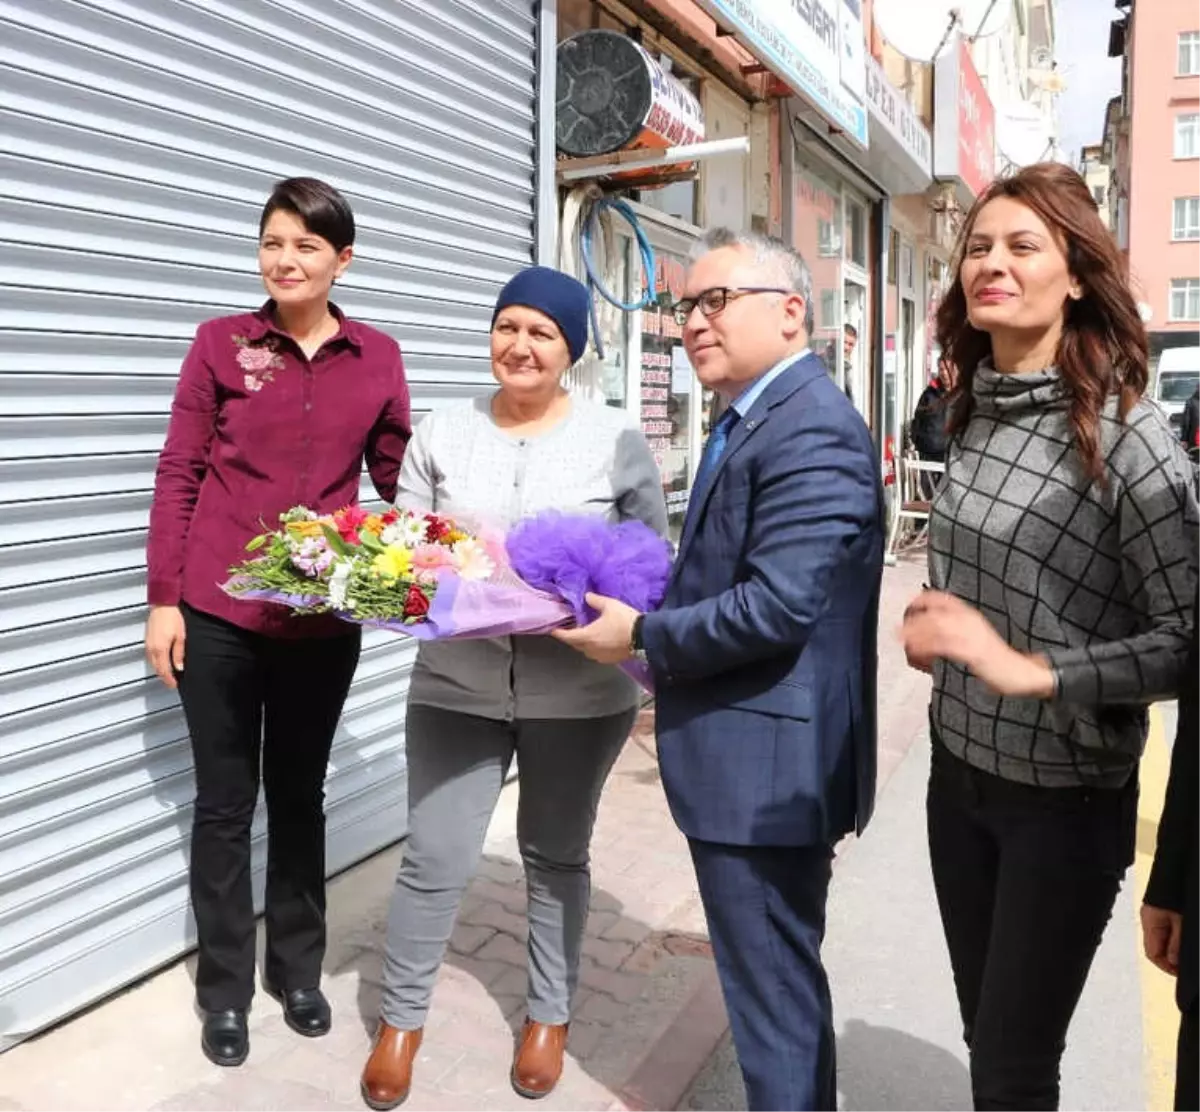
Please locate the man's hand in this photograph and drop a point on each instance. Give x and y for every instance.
(1161, 934)
(940, 626)
(165, 637)
(607, 640)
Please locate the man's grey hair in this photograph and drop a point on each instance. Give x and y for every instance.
(786, 264)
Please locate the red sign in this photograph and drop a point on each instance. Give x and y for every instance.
(976, 125)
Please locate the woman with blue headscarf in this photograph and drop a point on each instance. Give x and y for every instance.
(473, 705)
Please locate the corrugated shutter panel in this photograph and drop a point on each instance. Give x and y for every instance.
(141, 139)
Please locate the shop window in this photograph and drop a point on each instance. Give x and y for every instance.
(828, 244)
(816, 221)
(828, 319)
(856, 233)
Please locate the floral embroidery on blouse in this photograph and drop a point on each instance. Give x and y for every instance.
(259, 360)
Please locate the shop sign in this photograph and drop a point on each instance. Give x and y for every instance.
(892, 109)
(810, 45)
(964, 145)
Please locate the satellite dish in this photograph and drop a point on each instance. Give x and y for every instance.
(1023, 134)
(925, 30)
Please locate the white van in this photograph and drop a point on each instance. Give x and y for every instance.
(1177, 379)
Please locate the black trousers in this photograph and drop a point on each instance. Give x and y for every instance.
(1187, 1063)
(251, 703)
(1026, 879)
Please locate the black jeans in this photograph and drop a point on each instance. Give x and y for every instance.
(253, 701)
(1026, 879)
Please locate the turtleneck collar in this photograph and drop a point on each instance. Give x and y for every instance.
(998, 392)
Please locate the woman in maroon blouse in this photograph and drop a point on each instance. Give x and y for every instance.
(273, 409)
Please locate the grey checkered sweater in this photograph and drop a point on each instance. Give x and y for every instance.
(1099, 580)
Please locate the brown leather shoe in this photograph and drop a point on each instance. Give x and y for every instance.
(538, 1063)
(387, 1076)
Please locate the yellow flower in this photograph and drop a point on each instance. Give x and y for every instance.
(393, 562)
(454, 536)
(305, 528)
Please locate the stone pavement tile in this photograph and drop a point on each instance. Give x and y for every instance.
(466, 939)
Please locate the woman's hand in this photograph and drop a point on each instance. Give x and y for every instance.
(1162, 933)
(939, 626)
(165, 637)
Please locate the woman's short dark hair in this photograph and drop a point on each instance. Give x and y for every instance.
(321, 208)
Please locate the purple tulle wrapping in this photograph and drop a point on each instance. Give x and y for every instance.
(571, 555)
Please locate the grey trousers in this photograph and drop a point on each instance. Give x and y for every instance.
(456, 768)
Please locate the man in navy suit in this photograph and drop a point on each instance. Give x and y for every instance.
(764, 655)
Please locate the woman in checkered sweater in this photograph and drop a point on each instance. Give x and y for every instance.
(1063, 565)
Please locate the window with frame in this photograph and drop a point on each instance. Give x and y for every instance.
(856, 233)
(1185, 218)
(1099, 193)
(1188, 54)
(829, 309)
(828, 244)
(1185, 299)
(1187, 135)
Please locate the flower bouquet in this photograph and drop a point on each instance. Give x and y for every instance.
(427, 576)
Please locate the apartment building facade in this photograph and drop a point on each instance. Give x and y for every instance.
(1153, 142)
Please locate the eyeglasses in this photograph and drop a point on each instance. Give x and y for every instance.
(711, 302)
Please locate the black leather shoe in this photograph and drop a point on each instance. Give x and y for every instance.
(306, 1011)
(225, 1038)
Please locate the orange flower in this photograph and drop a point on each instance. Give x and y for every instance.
(373, 524)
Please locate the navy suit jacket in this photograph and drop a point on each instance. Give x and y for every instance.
(764, 652)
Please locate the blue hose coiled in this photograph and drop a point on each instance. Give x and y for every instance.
(595, 283)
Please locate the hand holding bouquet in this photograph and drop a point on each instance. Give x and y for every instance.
(425, 575)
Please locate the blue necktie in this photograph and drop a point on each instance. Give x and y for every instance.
(715, 446)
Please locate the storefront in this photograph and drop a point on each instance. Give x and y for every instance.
(817, 52)
(645, 368)
(139, 149)
(900, 157)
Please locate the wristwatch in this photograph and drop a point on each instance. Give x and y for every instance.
(635, 638)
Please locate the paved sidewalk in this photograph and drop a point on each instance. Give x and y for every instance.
(648, 1014)
(899, 1037)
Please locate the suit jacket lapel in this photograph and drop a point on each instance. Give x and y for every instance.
(796, 376)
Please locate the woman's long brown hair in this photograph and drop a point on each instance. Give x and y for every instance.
(1103, 348)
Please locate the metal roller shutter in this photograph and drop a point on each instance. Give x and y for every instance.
(141, 138)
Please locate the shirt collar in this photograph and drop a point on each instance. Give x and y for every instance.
(754, 391)
(264, 322)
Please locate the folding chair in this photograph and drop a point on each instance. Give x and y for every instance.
(913, 505)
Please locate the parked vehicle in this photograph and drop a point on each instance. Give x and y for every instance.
(1177, 379)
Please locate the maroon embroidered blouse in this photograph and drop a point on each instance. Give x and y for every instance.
(255, 429)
